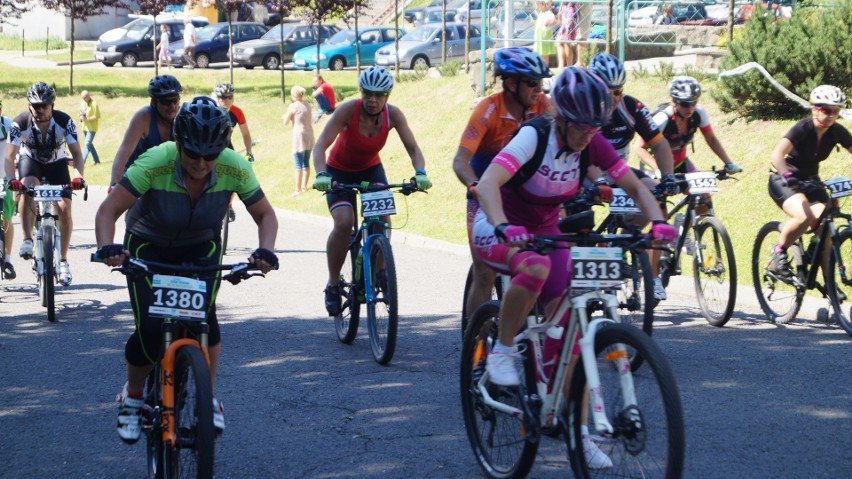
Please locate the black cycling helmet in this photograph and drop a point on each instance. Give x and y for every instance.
(202, 126)
(41, 92)
(519, 61)
(164, 85)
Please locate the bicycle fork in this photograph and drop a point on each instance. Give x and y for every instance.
(48, 220)
(168, 373)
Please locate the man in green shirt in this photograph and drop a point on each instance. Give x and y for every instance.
(90, 113)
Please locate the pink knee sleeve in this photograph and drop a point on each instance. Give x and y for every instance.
(522, 279)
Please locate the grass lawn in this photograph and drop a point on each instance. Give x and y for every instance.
(437, 111)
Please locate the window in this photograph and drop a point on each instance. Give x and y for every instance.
(368, 38)
(390, 35)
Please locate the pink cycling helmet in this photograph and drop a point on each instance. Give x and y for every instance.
(582, 97)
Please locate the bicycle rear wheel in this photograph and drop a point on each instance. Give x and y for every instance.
(47, 280)
(838, 280)
(382, 311)
(648, 437)
(715, 271)
(346, 323)
(779, 298)
(192, 454)
(500, 441)
(496, 293)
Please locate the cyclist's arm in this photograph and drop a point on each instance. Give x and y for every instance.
(113, 207)
(135, 132)
(631, 184)
(640, 148)
(488, 193)
(779, 155)
(11, 151)
(246, 137)
(662, 154)
(714, 144)
(267, 223)
(338, 121)
(399, 123)
(77, 156)
(461, 166)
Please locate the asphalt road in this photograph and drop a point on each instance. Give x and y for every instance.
(760, 400)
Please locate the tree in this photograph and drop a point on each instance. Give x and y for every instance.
(228, 7)
(12, 9)
(153, 8)
(78, 10)
(354, 14)
(284, 7)
(316, 12)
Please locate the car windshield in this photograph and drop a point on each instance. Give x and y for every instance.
(343, 37)
(208, 32)
(137, 29)
(275, 33)
(419, 34)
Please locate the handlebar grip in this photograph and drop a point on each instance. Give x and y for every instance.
(96, 258)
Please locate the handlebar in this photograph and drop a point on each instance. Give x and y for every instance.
(137, 267)
(543, 244)
(406, 188)
(683, 185)
(30, 190)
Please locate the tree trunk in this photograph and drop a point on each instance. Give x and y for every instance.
(467, 40)
(444, 31)
(155, 42)
(357, 44)
(396, 37)
(230, 47)
(71, 63)
(281, 54)
(319, 38)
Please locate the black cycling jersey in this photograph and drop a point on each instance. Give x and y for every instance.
(803, 160)
(630, 117)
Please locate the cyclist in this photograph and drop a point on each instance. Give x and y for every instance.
(796, 157)
(151, 125)
(359, 129)
(177, 194)
(630, 117)
(224, 94)
(9, 201)
(509, 214)
(492, 124)
(39, 137)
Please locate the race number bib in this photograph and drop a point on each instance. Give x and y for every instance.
(377, 203)
(47, 193)
(2, 190)
(178, 297)
(839, 187)
(596, 267)
(622, 203)
(701, 182)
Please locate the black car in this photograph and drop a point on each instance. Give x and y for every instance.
(134, 43)
(213, 42)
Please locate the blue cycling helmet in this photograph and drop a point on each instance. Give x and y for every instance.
(519, 61)
(202, 126)
(581, 97)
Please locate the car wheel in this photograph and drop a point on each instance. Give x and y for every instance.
(129, 60)
(271, 62)
(337, 64)
(248, 67)
(419, 61)
(109, 64)
(202, 60)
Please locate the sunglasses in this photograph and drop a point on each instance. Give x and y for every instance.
(375, 94)
(40, 106)
(686, 104)
(168, 101)
(198, 156)
(530, 83)
(584, 129)
(226, 97)
(827, 110)
(617, 91)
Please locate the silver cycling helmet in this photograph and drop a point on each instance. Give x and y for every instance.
(685, 88)
(224, 88)
(202, 126)
(828, 95)
(41, 92)
(376, 80)
(581, 97)
(609, 69)
(164, 85)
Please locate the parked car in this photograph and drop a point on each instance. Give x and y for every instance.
(414, 15)
(266, 50)
(688, 12)
(338, 51)
(433, 16)
(213, 42)
(422, 46)
(133, 42)
(461, 6)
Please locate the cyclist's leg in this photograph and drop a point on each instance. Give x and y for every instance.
(483, 276)
(342, 209)
(29, 171)
(802, 214)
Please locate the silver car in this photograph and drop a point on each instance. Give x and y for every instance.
(422, 46)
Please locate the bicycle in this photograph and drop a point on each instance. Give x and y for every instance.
(781, 296)
(47, 245)
(2, 230)
(713, 263)
(368, 275)
(177, 418)
(638, 415)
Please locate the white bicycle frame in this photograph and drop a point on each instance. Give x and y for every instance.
(46, 215)
(579, 321)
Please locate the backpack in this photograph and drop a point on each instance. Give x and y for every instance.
(662, 106)
(542, 128)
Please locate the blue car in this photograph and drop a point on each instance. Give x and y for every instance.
(213, 42)
(338, 52)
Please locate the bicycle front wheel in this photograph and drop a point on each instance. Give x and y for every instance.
(47, 280)
(636, 297)
(838, 280)
(192, 454)
(779, 298)
(346, 323)
(382, 310)
(715, 271)
(500, 441)
(647, 440)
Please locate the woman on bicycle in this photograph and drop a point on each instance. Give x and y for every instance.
(177, 194)
(360, 128)
(796, 157)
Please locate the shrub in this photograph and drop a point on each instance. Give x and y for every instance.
(812, 48)
(449, 69)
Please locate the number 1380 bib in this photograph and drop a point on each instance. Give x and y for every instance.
(177, 297)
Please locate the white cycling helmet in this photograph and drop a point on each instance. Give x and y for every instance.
(376, 80)
(685, 88)
(828, 95)
(609, 69)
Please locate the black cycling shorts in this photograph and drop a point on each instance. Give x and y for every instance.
(143, 346)
(53, 173)
(373, 174)
(780, 192)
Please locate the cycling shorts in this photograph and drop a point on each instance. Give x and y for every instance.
(54, 173)
(780, 192)
(373, 174)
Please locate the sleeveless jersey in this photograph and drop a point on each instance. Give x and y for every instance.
(150, 140)
(353, 151)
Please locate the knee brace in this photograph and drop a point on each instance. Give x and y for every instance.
(525, 280)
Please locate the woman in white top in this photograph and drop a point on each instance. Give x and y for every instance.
(163, 47)
(299, 113)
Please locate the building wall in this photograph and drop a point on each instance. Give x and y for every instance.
(38, 22)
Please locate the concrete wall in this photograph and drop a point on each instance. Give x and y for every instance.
(38, 22)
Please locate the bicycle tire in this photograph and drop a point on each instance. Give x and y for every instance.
(715, 282)
(382, 312)
(839, 293)
(47, 280)
(498, 440)
(496, 293)
(648, 439)
(192, 454)
(2, 243)
(152, 426)
(779, 300)
(346, 323)
(636, 295)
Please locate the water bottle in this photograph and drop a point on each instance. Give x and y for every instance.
(678, 222)
(552, 345)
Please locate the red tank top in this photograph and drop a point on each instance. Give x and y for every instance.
(355, 152)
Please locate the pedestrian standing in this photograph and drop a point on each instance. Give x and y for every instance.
(189, 42)
(90, 113)
(299, 114)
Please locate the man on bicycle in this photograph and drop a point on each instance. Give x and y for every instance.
(492, 124)
(39, 137)
(150, 126)
(8, 205)
(509, 213)
(796, 158)
(177, 194)
(359, 129)
(224, 94)
(630, 117)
